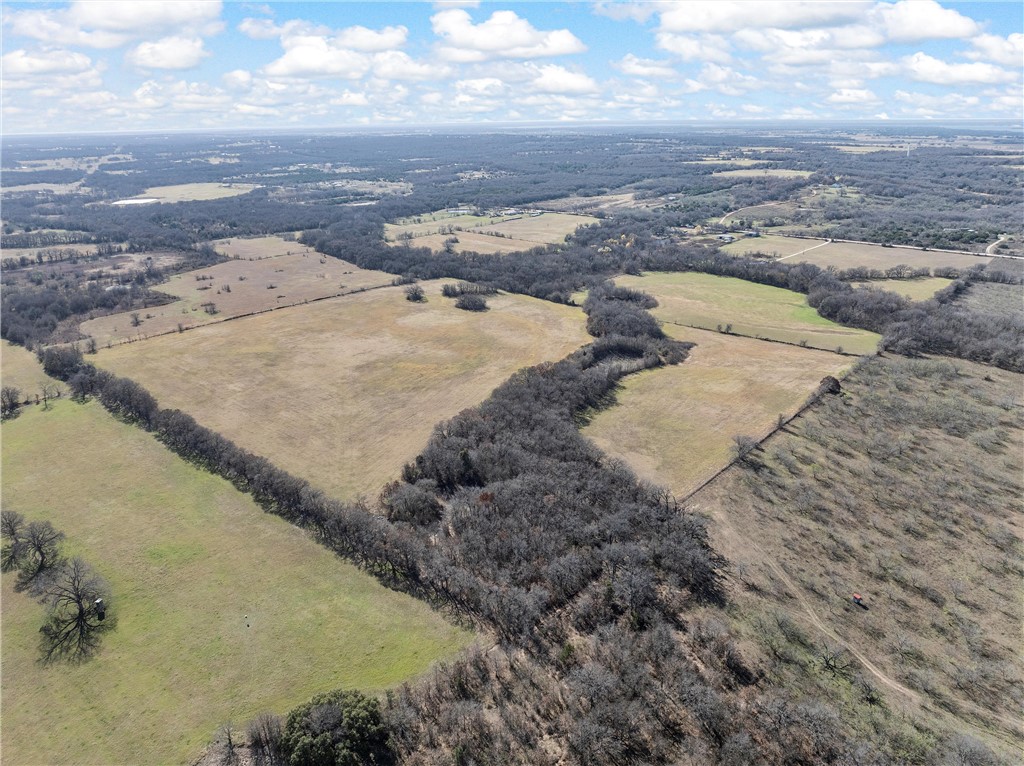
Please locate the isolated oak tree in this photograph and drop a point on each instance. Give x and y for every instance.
(75, 620)
(10, 400)
(12, 533)
(41, 551)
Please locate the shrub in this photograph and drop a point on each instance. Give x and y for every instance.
(339, 728)
(415, 294)
(471, 303)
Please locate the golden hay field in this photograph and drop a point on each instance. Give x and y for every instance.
(237, 288)
(345, 391)
(845, 255)
(706, 301)
(674, 425)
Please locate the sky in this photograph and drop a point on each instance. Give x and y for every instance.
(133, 65)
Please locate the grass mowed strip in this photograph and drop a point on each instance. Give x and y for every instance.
(773, 245)
(223, 610)
(845, 255)
(674, 425)
(236, 288)
(255, 248)
(706, 301)
(20, 368)
(915, 289)
(344, 392)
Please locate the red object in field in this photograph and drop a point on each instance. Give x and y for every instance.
(857, 597)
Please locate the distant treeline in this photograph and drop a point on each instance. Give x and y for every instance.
(595, 253)
(33, 309)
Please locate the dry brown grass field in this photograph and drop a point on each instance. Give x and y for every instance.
(845, 255)
(905, 489)
(195, 192)
(549, 228)
(20, 369)
(470, 241)
(772, 245)
(484, 234)
(674, 425)
(343, 392)
(763, 173)
(236, 288)
(255, 248)
(576, 204)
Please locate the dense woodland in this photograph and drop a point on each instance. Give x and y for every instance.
(602, 593)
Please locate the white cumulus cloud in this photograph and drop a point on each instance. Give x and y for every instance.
(503, 35)
(638, 67)
(552, 78)
(168, 53)
(925, 68)
(1007, 51)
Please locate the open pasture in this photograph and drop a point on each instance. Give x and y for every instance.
(471, 241)
(223, 611)
(846, 255)
(771, 245)
(548, 228)
(674, 425)
(194, 192)
(706, 301)
(236, 288)
(433, 223)
(344, 392)
(20, 369)
(762, 173)
(256, 248)
(915, 289)
(577, 204)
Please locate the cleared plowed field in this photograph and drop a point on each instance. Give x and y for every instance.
(706, 301)
(344, 392)
(674, 425)
(223, 611)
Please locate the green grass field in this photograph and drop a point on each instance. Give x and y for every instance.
(19, 368)
(345, 391)
(190, 560)
(915, 289)
(674, 425)
(706, 301)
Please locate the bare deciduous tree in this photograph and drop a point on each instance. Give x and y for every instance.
(77, 616)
